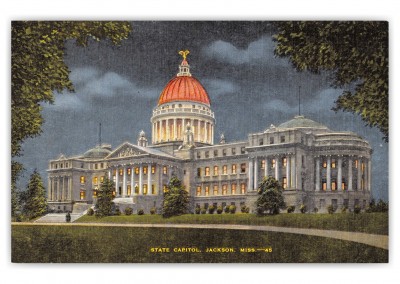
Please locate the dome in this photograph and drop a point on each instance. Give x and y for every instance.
(184, 88)
(97, 152)
(302, 122)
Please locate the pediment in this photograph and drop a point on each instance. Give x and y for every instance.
(126, 150)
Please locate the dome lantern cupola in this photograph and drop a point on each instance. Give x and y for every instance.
(184, 67)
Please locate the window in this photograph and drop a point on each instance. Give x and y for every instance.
(243, 168)
(128, 190)
(345, 203)
(362, 184)
(324, 164)
(137, 170)
(82, 179)
(121, 172)
(198, 155)
(284, 182)
(262, 164)
(224, 189)
(283, 138)
(165, 170)
(56, 165)
(128, 171)
(81, 165)
(95, 166)
(207, 154)
(144, 189)
(207, 191)
(101, 165)
(271, 140)
(303, 161)
(323, 184)
(234, 169)
(165, 189)
(119, 190)
(224, 152)
(66, 165)
(153, 189)
(94, 192)
(333, 164)
(233, 188)
(198, 172)
(243, 188)
(273, 162)
(82, 195)
(215, 170)
(193, 106)
(95, 180)
(356, 164)
(198, 191)
(333, 184)
(242, 150)
(362, 166)
(344, 184)
(145, 170)
(261, 142)
(215, 190)
(284, 161)
(215, 153)
(102, 179)
(225, 170)
(233, 151)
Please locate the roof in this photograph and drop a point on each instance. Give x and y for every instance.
(184, 88)
(97, 152)
(300, 121)
(144, 150)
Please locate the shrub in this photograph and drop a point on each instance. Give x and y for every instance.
(331, 209)
(117, 211)
(232, 209)
(315, 209)
(68, 217)
(243, 208)
(211, 209)
(197, 210)
(128, 211)
(153, 211)
(90, 212)
(203, 210)
(344, 209)
(357, 209)
(290, 209)
(247, 209)
(368, 210)
(226, 209)
(140, 212)
(303, 208)
(219, 210)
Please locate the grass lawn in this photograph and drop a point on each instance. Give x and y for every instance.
(374, 223)
(126, 244)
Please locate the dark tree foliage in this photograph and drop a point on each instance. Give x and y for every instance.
(105, 196)
(176, 199)
(35, 197)
(38, 68)
(270, 199)
(355, 52)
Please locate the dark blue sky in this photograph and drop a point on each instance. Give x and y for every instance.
(249, 89)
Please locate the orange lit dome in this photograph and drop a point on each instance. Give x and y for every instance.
(184, 87)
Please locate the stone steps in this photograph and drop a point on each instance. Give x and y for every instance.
(57, 218)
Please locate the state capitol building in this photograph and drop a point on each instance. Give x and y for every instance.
(317, 166)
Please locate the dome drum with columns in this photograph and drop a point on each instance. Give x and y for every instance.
(316, 166)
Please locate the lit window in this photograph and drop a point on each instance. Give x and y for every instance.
(128, 190)
(215, 170)
(207, 171)
(82, 195)
(362, 184)
(324, 164)
(284, 161)
(234, 169)
(262, 164)
(273, 163)
(113, 193)
(362, 166)
(165, 170)
(198, 172)
(243, 168)
(333, 185)
(207, 191)
(153, 189)
(114, 172)
(333, 164)
(165, 188)
(324, 185)
(95, 180)
(144, 189)
(121, 172)
(137, 170)
(224, 169)
(145, 170)
(233, 188)
(284, 182)
(153, 169)
(82, 179)
(243, 188)
(224, 189)
(128, 171)
(356, 164)
(136, 189)
(94, 192)
(344, 184)
(198, 192)
(102, 179)
(215, 189)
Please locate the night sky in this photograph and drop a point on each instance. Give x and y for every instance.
(249, 89)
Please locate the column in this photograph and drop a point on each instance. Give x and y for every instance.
(317, 174)
(266, 167)
(183, 129)
(206, 132)
(369, 175)
(350, 177)
(124, 183)
(132, 181)
(198, 130)
(70, 188)
(175, 130)
(109, 174)
(288, 172)
(49, 188)
(359, 174)
(212, 134)
(63, 189)
(58, 189)
(250, 175)
(277, 168)
(328, 173)
(255, 185)
(293, 170)
(339, 174)
(365, 174)
(168, 132)
(149, 179)
(116, 181)
(141, 179)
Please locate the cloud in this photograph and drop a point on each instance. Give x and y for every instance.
(108, 85)
(217, 87)
(83, 74)
(260, 51)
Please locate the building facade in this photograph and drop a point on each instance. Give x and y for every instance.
(317, 166)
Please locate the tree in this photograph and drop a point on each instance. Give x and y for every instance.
(357, 55)
(105, 197)
(270, 197)
(176, 199)
(36, 202)
(38, 69)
